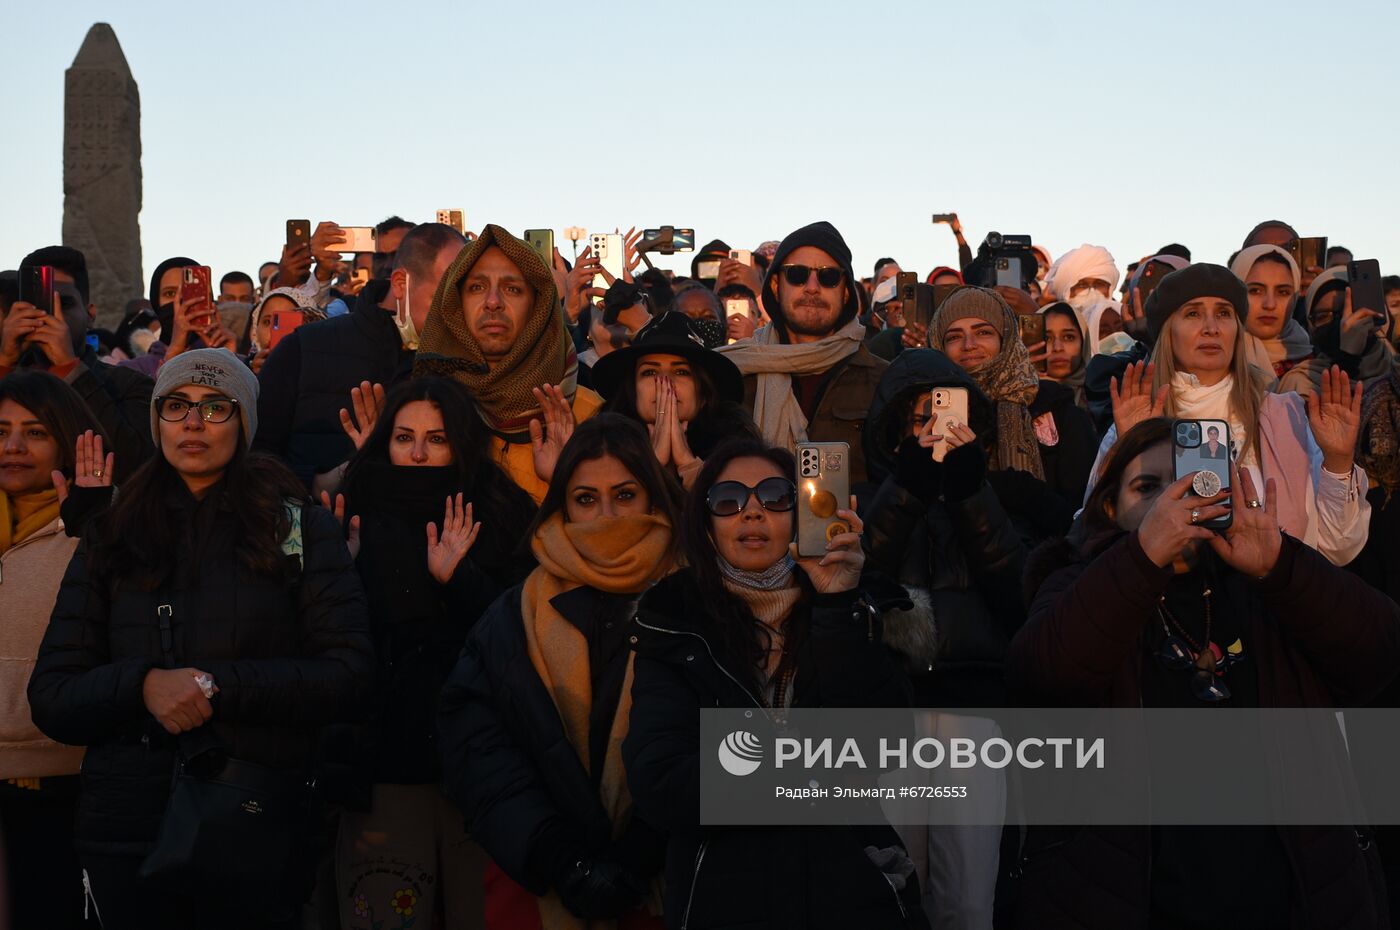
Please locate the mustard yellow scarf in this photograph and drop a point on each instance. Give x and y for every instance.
(24, 515)
(617, 555)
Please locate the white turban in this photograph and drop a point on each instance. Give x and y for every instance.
(1087, 261)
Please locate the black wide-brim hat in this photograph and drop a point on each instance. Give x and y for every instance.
(669, 334)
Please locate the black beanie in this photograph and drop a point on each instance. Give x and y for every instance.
(715, 248)
(1200, 280)
(824, 236)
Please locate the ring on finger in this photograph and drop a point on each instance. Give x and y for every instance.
(1195, 515)
(1253, 505)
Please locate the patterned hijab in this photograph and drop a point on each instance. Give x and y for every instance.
(1378, 446)
(542, 353)
(1009, 379)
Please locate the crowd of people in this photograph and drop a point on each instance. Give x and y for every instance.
(384, 590)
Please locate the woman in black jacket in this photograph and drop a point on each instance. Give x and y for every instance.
(423, 463)
(745, 626)
(209, 614)
(1154, 610)
(533, 716)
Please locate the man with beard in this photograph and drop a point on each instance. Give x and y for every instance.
(807, 373)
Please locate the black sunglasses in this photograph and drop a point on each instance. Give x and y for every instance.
(798, 275)
(777, 495)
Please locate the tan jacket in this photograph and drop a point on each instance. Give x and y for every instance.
(30, 573)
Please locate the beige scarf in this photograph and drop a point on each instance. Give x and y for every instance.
(618, 555)
(776, 413)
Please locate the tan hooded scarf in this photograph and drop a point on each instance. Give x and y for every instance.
(543, 353)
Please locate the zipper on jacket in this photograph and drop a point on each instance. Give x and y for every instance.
(718, 665)
(903, 912)
(90, 898)
(694, 879)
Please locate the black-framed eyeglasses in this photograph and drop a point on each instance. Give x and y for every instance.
(798, 275)
(777, 495)
(211, 410)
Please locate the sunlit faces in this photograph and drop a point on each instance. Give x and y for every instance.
(1063, 344)
(168, 289)
(1203, 334)
(1091, 284)
(652, 368)
(28, 451)
(603, 487)
(274, 304)
(419, 436)
(754, 539)
(1271, 292)
(496, 302)
(236, 292)
(970, 342)
(699, 303)
(198, 449)
(811, 311)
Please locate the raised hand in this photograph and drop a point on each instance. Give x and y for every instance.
(631, 257)
(1335, 417)
(367, 400)
(578, 287)
(741, 326)
(838, 570)
(1251, 545)
(1133, 402)
(736, 272)
(459, 534)
(915, 336)
(352, 531)
(548, 438)
(91, 468)
(660, 427)
(1169, 527)
(1357, 325)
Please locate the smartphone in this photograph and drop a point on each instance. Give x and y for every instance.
(707, 271)
(454, 218)
(1309, 252)
(608, 249)
(298, 232)
(1008, 271)
(681, 240)
(282, 323)
(906, 290)
(357, 239)
(36, 287)
(742, 256)
(737, 306)
(1202, 448)
(946, 218)
(950, 404)
(1364, 278)
(823, 487)
(1032, 327)
(542, 241)
(1151, 275)
(196, 289)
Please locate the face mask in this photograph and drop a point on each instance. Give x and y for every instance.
(1085, 299)
(712, 332)
(140, 341)
(403, 319)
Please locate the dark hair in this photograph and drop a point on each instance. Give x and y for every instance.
(9, 289)
(236, 277)
(495, 497)
(716, 419)
(1334, 249)
(1100, 529)
(60, 408)
(880, 263)
(742, 639)
(392, 223)
(736, 290)
(1274, 257)
(65, 259)
(1177, 249)
(1267, 224)
(710, 298)
(136, 540)
(420, 247)
(1064, 309)
(625, 440)
(1390, 282)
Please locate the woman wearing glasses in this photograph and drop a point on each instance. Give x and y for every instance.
(746, 625)
(1154, 610)
(209, 615)
(533, 716)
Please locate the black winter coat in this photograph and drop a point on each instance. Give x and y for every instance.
(1083, 647)
(306, 381)
(1067, 463)
(288, 656)
(759, 877)
(120, 399)
(509, 765)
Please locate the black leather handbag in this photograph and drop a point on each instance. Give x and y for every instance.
(233, 830)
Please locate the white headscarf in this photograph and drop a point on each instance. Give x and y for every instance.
(1092, 318)
(1087, 261)
(305, 303)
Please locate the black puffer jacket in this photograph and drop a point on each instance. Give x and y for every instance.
(288, 655)
(507, 762)
(759, 877)
(959, 554)
(1068, 462)
(307, 380)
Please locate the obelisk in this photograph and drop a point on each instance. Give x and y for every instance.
(102, 171)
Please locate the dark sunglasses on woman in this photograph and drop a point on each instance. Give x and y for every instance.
(776, 495)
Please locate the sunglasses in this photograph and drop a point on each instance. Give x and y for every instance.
(799, 275)
(776, 495)
(213, 410)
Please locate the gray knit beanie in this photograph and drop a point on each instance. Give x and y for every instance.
(215, 368)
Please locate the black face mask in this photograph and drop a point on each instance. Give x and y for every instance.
(166, 314)
(712, 332)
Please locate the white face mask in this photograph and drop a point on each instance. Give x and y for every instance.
(403, 319)
(141, 340)
(1085, 299)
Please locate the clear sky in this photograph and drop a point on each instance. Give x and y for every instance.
(1128, 125)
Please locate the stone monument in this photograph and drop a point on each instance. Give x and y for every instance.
(102, 171)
